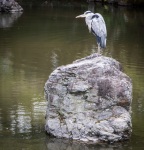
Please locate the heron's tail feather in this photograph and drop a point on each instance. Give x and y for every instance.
(103, 42)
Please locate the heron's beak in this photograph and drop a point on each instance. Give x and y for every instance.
(81, 16)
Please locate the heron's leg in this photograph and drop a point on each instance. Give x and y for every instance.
(99, 49)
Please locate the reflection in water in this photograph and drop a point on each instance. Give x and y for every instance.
(64, 144)
(22, 120)
(1, 128)
(54, 60)
(140, 104)
(39, 108)
(6, 63)
(7, 20)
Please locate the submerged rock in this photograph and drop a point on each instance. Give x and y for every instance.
(10, 6)
(89, 100)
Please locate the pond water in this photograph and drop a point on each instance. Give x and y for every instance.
(34, 43)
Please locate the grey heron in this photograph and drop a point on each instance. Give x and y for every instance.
(97, 26)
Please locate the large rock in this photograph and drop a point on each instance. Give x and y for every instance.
(89, 100)
(10, 6)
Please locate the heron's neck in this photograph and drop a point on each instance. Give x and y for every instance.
(88, 19)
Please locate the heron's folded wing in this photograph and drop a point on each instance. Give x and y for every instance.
(98, 26)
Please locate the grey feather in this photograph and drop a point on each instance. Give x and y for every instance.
(98, 28)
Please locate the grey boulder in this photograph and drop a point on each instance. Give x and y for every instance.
(89, 100)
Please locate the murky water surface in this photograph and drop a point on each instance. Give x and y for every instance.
(34, 43)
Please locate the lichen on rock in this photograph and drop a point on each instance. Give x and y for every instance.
(89, 100)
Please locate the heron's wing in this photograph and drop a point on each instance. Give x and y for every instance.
(98, 26)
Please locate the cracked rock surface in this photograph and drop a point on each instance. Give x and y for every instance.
(89, 100)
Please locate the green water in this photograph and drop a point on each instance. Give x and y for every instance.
(34, 43)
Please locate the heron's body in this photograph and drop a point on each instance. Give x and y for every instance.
(96, 25)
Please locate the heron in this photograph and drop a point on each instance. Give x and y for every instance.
(97, 26)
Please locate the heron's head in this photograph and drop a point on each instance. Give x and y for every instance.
(87, 13)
